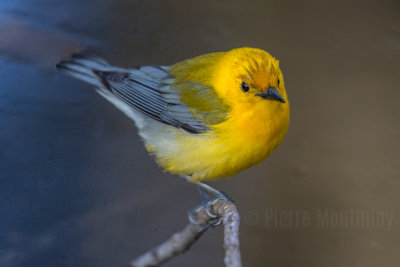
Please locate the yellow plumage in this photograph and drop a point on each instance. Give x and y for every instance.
(224, 112)
(254, 126)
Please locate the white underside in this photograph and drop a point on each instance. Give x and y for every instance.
(159, 136)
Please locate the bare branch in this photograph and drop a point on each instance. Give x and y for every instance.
(230, 219)
(201, 219)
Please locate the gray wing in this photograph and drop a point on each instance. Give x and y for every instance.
(146, 89)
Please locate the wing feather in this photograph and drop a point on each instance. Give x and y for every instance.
(140, 91)
(153, 91)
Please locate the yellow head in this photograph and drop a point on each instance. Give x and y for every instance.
(249, 76)
(250, 82)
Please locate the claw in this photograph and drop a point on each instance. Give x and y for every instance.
(209, 195)
(215, 220)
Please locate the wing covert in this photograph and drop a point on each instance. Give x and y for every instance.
(148, 90)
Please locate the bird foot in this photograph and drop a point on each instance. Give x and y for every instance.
(214, 219)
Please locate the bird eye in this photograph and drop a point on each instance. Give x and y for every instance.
(278, 82)
(245, 87)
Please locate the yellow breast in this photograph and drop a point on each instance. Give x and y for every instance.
(253, 128)
(240, 142)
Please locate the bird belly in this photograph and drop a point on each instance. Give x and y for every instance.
(213, 155)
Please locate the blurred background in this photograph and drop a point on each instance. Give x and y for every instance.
(77, 187)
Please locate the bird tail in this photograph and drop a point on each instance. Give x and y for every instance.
(84, 67)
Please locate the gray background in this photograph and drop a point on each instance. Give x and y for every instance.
(77, 187)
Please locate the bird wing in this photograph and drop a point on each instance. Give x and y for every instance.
(193, 79)
(202, 102)
(152, 91)
(157, 91)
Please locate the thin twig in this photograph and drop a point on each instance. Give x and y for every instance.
(182, 241)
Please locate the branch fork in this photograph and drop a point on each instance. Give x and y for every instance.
(201, 220)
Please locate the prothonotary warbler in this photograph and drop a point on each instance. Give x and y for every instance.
(204, 118)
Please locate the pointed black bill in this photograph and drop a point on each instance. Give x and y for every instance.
(271, 94)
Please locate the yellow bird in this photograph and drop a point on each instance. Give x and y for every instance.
(204, 118)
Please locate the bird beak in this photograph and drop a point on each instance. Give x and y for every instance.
(272, 94)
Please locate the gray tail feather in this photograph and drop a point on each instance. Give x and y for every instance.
(84, 67)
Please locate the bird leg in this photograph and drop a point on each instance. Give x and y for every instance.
(207, 190)
(209, 196)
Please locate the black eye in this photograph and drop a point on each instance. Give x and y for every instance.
(278, 82)
(245, 87)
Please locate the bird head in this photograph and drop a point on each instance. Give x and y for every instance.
(250, 76)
